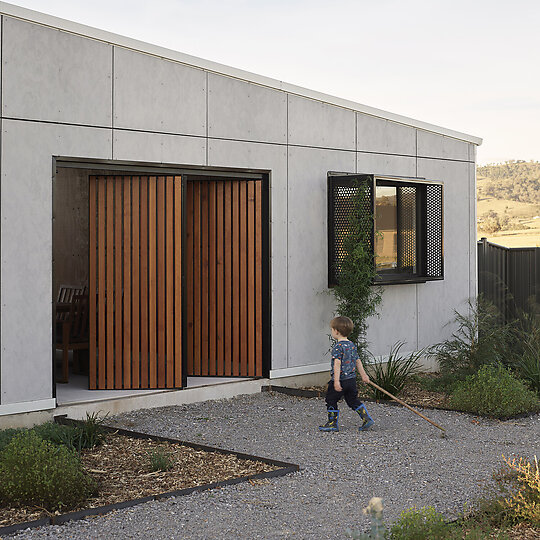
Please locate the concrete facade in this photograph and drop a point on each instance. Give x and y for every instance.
(70, 91)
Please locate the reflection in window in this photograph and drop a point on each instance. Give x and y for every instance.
(386, 226)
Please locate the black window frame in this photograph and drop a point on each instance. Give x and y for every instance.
(429, 240)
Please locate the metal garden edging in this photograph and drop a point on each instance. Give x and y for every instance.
(284, 469)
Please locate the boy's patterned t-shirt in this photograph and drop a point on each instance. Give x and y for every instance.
(347, 353)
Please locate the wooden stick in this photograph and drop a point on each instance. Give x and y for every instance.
(405, 405)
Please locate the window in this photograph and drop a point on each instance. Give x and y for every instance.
(407, 230)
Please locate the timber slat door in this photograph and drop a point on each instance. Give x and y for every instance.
(135, 282)
(223, 277)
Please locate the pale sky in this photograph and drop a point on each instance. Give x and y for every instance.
(466, 65)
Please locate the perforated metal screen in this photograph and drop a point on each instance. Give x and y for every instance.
(407, 230)
(434, 231)
(341, 202)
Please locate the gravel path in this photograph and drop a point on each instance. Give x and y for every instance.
(402, 459)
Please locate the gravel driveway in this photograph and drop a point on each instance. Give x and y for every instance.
(402, 459)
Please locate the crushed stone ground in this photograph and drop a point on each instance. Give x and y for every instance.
(402, 459)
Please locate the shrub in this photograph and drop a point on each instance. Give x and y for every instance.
(479, 340)
(525, 503)
(494, 391)
(87, 434)
(160, 460)
(6, 435)
(525, 348)
(35, 472)
(414, 524)
(395, 372)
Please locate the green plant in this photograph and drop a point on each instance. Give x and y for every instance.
(35, 472)
(7, 434)
(393, 374)
(160, 460)
(421, 524)
(525, 348)
(356, 297)
(494, 391)
(479, 339)
(92, 431)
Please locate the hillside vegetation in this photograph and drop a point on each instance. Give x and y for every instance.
(509, 203)
(512, 180)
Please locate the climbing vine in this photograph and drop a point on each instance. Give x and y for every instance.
(356, 296)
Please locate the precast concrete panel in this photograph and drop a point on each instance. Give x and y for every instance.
(473, 250)
(273, 158)
(26, 248)
(313, 123)
(154, 94)
(154, 147)
(55, 76)
(396, 320)
(384, 136)
(385, 164)
(437, 300)
(439, 146)
(311, 304)
(245, 111)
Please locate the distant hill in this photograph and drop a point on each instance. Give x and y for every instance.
(513, 180)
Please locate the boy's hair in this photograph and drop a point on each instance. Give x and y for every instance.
(343, 325)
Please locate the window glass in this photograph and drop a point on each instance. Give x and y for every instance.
(386, 226)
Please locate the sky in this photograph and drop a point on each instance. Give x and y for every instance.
(471, 66)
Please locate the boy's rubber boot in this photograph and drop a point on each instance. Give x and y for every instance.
(367, 421)
(332, 424)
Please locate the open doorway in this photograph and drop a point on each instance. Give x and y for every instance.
(169, 270)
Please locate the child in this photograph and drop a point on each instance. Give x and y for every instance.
(343, 382)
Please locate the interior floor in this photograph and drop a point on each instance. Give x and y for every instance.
(76, 390)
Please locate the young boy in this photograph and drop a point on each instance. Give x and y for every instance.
(343, 382)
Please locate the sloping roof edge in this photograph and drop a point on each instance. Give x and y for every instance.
(37, 17)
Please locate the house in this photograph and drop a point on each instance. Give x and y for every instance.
(197, 204)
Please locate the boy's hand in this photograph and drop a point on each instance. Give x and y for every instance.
(365, 378)
(338, 387)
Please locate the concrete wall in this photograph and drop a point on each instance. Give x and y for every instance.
(66, 95)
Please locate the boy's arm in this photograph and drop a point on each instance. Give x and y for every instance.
(363, 375)
(337, 373)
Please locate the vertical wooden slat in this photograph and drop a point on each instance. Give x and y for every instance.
(236, 321)
(204, 326)
(220, 240)
(92, 241)
(212, 329)
(178, 281)
(227, 277)
(169, 296)
(251, 278)
(135, 283)
(102, 284)
(196, 278)
(126, 349)
(144, 280)
(110, 282)
(243, 278)
(160, 273)
(258, 279)
(118, 219)
(189, 277)
(152, 282)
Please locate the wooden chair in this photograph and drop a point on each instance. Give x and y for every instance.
(74, 332)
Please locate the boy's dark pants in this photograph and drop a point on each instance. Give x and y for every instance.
(349, 391)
